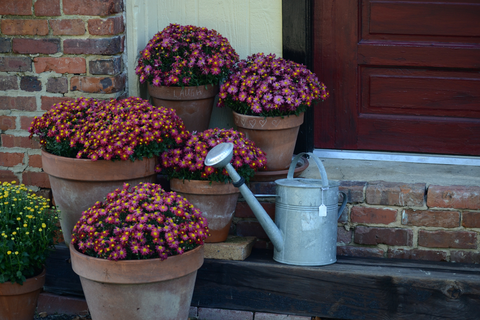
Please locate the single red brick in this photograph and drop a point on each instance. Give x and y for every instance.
(471, 219)
(92, 7)
(458, 197)
(263, 187)
(395, 194)
(29, 27)
(344, 236)
(110, 26)
(11, 141)
(447, 239)
(354, 190)
(104, 46)
(71, 27)
(5, 45)
(360, 214)
(44, 8)
(98, 84)
(35, 161)
(48, 102)
(16, 8)
(110, 66)
(39, 179)
(389, 236)
(32, 46)
(8, 83)
(417, 254)
(250, 228)
(352, 251)
(8, 176)
(243, 210)
(431, 218)
(30, 84)
(7, 122)
(465, 256)
(57, 85)
(25, 122)
(74, 65)
(18, 103)
(10, 159)
(15, 64)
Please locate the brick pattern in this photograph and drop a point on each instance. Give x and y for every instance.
(52, 51)
(391, 220)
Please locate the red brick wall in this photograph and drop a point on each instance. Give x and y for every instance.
(53, 50)
(393, 220)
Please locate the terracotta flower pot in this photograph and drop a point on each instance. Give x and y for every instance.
(192, 104)
(78, 183)
(274, 135)
(216, 200)
(138, 289)
(18, 302)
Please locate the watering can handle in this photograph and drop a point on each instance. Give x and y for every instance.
(319, 163)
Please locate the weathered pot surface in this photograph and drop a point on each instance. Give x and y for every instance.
(78, 183)
(274, 135)
(192, 104)
(138, 289)
(216, 200)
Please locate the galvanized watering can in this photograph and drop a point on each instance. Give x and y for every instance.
(306, 212)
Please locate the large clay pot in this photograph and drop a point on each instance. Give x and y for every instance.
(274, 135)
(138, 289)
(18, 302)
(78, 183)
(216, 200)
(192, 104)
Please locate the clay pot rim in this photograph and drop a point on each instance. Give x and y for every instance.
(136, 271)
(29, 285)
(268, 123)
(202, 186)
(64, 168)
(167, 93)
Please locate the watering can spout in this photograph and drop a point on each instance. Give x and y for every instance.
(220, 157)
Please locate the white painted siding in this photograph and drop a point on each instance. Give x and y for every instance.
(250, 26)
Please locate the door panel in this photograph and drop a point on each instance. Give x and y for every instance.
(414, 82)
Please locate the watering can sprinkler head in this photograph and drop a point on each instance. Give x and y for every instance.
(220, 155)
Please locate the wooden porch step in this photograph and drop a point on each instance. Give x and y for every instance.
(351, 288)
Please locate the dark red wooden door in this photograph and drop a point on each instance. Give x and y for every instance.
(403, 75)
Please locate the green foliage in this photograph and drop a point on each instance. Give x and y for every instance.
(27, 229)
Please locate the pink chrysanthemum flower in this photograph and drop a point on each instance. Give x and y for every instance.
(128, 238)
(269, 78)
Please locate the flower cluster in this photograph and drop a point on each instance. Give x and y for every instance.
(113, 129)
(187, 161)
(186, 56)
(142, 222)
(27, 229)
(268, 86)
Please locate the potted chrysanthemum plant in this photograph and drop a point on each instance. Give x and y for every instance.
(208, 188)
(137, 253)
(268, 96)
(91, 147)
(28, 226)
(183, 66)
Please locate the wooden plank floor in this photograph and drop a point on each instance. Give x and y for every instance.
(352, 288)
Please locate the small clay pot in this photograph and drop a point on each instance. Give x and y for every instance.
(192, 104)
(216, 200)
(274, 135)
(18, 302)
